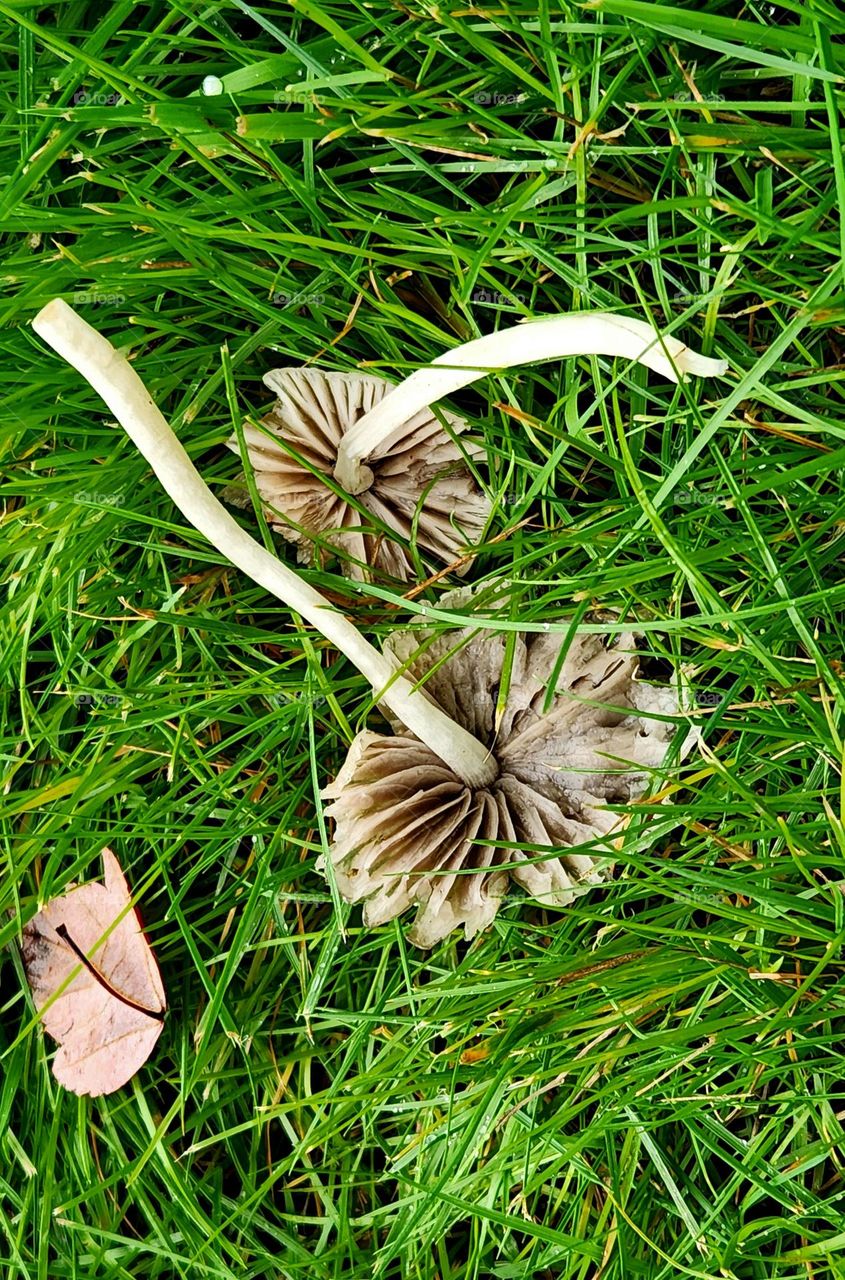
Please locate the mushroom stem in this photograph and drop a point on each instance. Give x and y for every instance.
(117, 383)
(588, 333)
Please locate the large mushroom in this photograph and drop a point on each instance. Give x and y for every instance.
(331, 436)
(409, 831)
(434, 814)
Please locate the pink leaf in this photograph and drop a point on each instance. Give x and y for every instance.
(108, 1017)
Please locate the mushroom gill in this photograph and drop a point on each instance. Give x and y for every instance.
(409, 832)
(423, 477)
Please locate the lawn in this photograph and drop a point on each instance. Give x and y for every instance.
(649, 1082)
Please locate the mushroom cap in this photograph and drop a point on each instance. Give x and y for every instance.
(424, 474)
(409, 832)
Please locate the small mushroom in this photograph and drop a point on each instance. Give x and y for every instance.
(295, 452)
(332, 435)
(431, 814)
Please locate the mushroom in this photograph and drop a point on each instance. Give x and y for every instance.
(432, 815)
(332, 435)
(410, 832)
(295, 451)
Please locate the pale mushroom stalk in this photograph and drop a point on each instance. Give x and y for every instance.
(551, 338)
(117, 383)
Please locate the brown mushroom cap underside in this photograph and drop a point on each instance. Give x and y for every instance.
(423, 477)
(409, 832)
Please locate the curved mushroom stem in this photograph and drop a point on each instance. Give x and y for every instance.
(113, 378)
(588, 333)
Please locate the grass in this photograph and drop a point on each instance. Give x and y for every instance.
(648, 1084)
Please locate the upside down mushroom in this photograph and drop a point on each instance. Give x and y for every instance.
(432, 815)
(295, 452)
(409, 831)
(333, 435)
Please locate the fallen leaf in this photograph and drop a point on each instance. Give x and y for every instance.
(88, 947)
